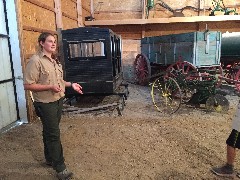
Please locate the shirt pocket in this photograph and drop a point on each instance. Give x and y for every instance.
(44, 77)
(60, 72)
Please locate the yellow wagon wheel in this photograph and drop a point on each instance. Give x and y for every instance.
(166, 95)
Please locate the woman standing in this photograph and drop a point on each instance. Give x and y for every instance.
(44, 77)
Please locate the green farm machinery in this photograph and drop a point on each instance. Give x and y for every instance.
(182, 69)
(169, 92)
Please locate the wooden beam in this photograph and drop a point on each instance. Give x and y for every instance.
(143, 17)
(143, 9)
(37, 3)
(79, 13)
(164, 20)
(117, 11)
(86, 9)
(58, 12)
(20, 30)
(199, 7)
(92, 9)
(60, 46)
(69, 16)
(40, 30)
(143, 30)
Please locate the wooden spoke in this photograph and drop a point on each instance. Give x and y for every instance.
(142, 69)
(182, 68)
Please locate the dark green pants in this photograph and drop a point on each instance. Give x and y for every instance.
(50, 115)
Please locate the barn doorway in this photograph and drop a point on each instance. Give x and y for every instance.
(12, 106)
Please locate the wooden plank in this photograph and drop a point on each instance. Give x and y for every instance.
(69, 16)
(92, 9)
(20, 30)
(37, 3)
(143, 9)
(86, 9)
(118, 16)
(164, 20)
(30, 28)
(79, 12)
(36, 16)
(117, 11)
(77, 110)
(143, 31)
(69, 8)
(230, 26)
(69, 23)
(58, 11)
(60, 46)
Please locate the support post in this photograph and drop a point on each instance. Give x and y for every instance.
(92, 9)
(58, 12)
(79, 12)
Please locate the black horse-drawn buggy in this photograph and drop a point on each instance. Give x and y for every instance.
(92, 58)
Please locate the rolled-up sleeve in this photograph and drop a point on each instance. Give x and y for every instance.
(32, 71)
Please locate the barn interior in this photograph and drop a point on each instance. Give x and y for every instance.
(131, 20)
(139, 142)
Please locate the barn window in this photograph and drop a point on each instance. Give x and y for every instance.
(86, 49)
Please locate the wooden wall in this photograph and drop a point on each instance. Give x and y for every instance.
(37, 16)
(112, 9)
(69, 14)
(130, 9)
(86, 8)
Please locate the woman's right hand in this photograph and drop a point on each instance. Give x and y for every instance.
(56, 88)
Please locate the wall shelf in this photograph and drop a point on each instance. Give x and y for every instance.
(163, 20)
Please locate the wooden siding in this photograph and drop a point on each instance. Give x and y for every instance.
(37, 16)
(69, 14)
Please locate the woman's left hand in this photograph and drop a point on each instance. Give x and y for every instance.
(77, 87)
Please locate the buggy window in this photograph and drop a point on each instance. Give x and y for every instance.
(86, 49)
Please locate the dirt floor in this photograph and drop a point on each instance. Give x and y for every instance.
(142, 144)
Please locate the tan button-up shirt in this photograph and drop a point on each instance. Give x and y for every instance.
(43, 70)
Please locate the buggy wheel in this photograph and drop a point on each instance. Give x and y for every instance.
(142, 69)
(217, 103)
(166, 95)
(188, 70)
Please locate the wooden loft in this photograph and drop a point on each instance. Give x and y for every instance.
(163, 20)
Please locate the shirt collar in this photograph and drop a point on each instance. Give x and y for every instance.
(42, 54)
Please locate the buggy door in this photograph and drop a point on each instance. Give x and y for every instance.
(116, 55)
